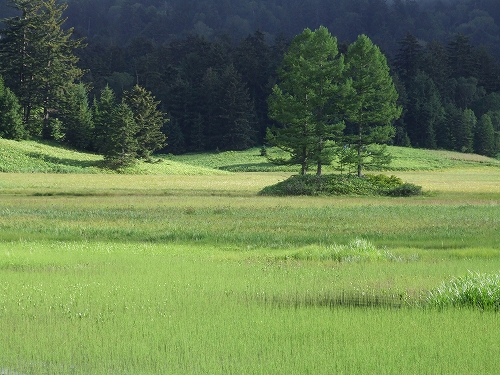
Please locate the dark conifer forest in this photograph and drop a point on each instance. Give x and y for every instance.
(211, 64)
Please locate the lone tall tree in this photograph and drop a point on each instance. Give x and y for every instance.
(148, 119)
(36, 55)
(372, 106)
(307, 101)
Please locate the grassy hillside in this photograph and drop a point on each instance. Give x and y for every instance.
(36, 157)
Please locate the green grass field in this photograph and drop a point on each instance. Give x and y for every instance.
(179, 267)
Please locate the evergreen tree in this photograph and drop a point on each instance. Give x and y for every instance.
(466, 91)
(175, 138)
(435, 65)
(253, 62)
(103, 116)
(461, 57)
(446, 132)
(11, 122)
(488, 70)
(308, 100)
(76, 117)
(372, 105)
(484, 137)
(37, 56)
(408, 59)
(237, 116)
(424, 111)
(464, 132)
(120, 149)
(148, 119)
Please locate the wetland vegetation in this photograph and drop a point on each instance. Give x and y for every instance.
(195, 272)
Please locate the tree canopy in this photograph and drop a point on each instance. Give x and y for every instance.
(37, 56)
(308, 100)
(211, 65)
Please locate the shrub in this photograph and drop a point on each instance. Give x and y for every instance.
(342, 185)
(405, 190)
(383, 181)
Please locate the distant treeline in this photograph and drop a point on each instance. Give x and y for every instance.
(117, 22)
(212, 64)
(215, 92)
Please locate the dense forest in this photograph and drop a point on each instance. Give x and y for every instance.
(212, 63)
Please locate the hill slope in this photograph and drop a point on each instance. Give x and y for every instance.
(35, 157)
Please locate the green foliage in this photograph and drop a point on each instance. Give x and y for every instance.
(425, 111)
(121, 147)
(76, 117)
(37, 58)
(475, 290)
(464, 135)
(405, 190)
(11, 123)
(358, 250)
(307, 101)
(103, 116)
(148, 119)
(383, 181)
(342, 185)
(484, 138)
(371, 107)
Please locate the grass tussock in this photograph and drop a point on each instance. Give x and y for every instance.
(475, 290)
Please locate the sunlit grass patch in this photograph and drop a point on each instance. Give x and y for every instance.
(475, 290)
(357, 250)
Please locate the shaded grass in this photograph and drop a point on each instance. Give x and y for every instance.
(46, 157)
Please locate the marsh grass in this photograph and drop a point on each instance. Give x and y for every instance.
(475, 290)
(106, 307)
(134, 274)
(357, 250)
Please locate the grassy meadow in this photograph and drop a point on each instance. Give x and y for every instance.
(180, 267)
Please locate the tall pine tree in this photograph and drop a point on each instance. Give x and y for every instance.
(308, 100)
(120, 148)
(11, 124)
(372, 105)
(37, 57)
(148, 119)
(76, 116)
(103, 116)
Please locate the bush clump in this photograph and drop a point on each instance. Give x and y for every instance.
(474, 290)
(342, 185)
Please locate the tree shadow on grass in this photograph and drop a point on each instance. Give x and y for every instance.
(68, 162)
(257, 167)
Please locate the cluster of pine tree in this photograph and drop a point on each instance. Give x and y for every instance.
(40, 97)
(215, 89)
(215, 92)
(450, 95)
